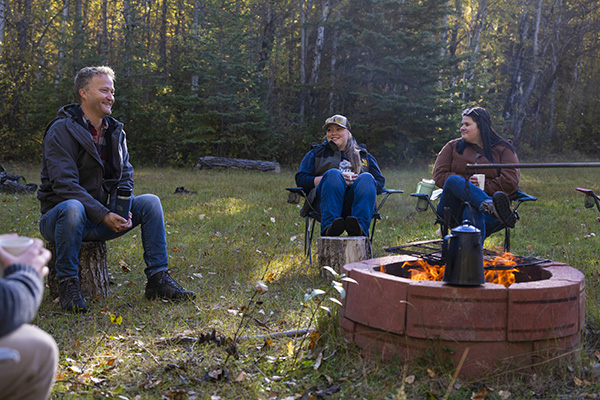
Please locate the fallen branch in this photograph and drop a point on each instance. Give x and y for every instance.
(236, 163)
(292, 333)
(220, 340)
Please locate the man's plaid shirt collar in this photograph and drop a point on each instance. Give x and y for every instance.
(98, 137)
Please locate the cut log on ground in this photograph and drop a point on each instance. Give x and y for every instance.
(337, 251)
(93, 271)
(236, 163)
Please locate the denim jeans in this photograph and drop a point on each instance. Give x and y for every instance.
(67, 225)
(336, 199)
(463, 198)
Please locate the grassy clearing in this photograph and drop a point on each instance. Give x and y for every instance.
(236, 229)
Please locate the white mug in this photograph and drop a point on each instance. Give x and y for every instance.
(16, 245)
(480, 181)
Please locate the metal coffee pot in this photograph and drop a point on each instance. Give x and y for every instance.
(463, 251)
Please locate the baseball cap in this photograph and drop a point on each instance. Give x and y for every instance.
(339, 120)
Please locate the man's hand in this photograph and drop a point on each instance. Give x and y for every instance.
(35, 255)
(117, 223)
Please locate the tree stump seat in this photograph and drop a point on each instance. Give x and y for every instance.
(93, 271)
(337, 251)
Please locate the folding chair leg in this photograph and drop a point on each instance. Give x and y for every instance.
(507, 240)
(371, 237)
(310, 229)
(306, 236)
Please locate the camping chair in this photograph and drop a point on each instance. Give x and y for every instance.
(591, 199)
(520, 198)
(296, 193)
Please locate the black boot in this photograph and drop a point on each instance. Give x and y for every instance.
(353, 227)
(161, 285)
(499, 208)
(337, 227)
(70, 295)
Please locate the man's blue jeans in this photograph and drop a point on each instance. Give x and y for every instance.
(67, 225)
(457, 192)
(336, 199)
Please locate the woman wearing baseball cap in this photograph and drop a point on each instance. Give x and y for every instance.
(342, 181)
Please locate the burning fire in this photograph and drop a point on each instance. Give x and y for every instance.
(420, 270)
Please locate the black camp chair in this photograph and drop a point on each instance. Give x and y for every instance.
(520, 198)
(591, 199)
(313, 216)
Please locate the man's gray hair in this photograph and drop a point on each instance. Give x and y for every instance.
(85, 75)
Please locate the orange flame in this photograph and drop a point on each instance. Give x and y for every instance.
(420, 270)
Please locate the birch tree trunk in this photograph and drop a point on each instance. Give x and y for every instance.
(78, 29)
(524, 93)
(332, 72)
(473, 43)
(2, 27)
(319, 41)
(305, 6)
(128, 20)
(104, 35)
(162, 46)
(197, 28)
(64, 22)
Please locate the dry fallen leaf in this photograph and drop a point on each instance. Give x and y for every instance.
(261, 287)
(481, 395)
(75, 369)
(290, 348)
(318, 361)
(410, 379)
(241, 377)
(124, 266)
(504, 394)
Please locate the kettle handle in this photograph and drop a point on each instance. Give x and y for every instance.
(446, 245)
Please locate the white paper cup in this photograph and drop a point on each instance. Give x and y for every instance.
(16, 245)
(480, 181)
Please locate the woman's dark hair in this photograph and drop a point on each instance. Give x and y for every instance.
(489, 137)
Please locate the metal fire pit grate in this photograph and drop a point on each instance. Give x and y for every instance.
(431, 252)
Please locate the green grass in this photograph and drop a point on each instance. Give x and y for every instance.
(237, 229)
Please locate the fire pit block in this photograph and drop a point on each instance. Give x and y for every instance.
(545, 309)
(456, 313)
(535, 320)
(388, 312)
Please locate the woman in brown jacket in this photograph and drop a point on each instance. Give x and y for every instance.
(489, 209)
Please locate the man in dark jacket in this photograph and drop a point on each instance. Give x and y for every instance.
(28, 355)
(85, 160)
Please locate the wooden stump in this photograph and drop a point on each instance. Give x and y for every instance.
(337, 251)
(93, 271)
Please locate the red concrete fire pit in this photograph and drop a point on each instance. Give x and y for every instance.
(536, 319)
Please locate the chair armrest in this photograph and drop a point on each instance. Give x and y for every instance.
(386, 193)
(591, 198)
(297, 190)
(522, 197)
(588, 192)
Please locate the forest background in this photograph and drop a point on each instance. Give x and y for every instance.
(256, 78)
